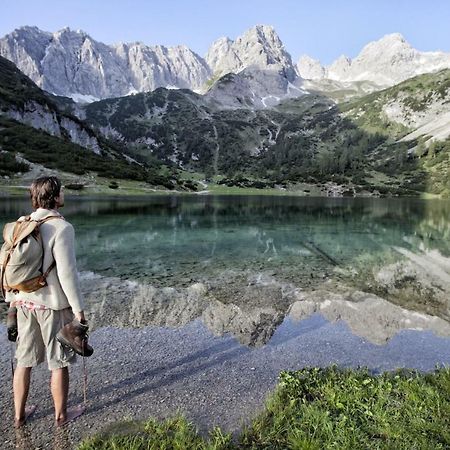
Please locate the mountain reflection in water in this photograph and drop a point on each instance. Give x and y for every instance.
(255, 314)
(244, 264)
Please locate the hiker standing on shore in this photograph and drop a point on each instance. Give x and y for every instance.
(45, 310)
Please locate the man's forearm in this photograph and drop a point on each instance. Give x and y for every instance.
(64, 255)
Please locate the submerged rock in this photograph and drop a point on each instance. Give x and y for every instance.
(420, 281)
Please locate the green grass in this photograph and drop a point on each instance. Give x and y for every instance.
(345, 409)
(317, 409)
(175, 433)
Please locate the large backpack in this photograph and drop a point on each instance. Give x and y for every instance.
(21, 256)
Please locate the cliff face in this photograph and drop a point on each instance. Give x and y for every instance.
(43, 118)
(23, 101)
(72, 64)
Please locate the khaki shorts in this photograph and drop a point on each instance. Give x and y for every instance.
(36, 340)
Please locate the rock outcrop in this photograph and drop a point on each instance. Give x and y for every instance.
(253, 88)
(310, 68)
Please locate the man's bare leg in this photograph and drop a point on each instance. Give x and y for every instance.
(60, 391)
(21, 387)
(59, 386)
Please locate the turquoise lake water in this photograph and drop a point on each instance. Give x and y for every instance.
(161, 239)
(265, 258)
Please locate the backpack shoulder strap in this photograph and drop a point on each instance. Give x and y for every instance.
(22, 229)
(53, 264)
(46, 219)
(50, 268)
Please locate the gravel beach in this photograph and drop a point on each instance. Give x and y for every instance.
(157, 371)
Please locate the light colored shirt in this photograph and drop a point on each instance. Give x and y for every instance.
(63, 288)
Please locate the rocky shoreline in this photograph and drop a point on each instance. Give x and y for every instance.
(102, 187)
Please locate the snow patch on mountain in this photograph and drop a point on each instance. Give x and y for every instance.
(81, 98)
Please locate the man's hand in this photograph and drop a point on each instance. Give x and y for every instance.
(80, 317)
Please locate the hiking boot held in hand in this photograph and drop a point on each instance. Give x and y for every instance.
(11, 324)
(74, 335)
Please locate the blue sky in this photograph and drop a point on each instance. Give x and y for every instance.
(324, 29)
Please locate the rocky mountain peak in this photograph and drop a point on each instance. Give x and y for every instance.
(259, 47)
(340, 68)
(221, 54)
(383, 63)
(261, 33)
(27, 45)
(310, 68)
(392, 38)
(71, 63)
(388, 45)
(67, 36)
(28, 31)
(390, 60)
(68, 32)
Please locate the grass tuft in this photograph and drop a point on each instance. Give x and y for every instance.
(314, 409)
(174, 433)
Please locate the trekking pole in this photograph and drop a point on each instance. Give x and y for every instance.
(11, 353)
(84, 379)
(11, 358)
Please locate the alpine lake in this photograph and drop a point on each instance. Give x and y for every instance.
(353, 282)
